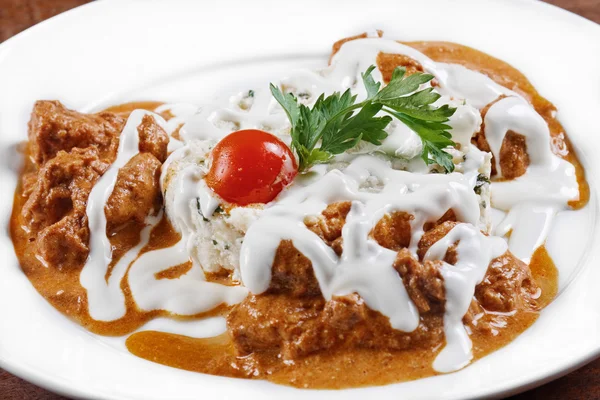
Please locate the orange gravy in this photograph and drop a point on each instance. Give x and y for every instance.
(62, 287)
(126, 108)
(331, 369)
(506, 75)
(336, 369)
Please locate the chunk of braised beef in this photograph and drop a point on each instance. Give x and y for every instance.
(64, 244)
(347, 322)
(423, 281)
(153, 138)
(54, 214)
(507, 286)
(53, 128)
(72, 150)
(328, 226)
(272, 322)
(61, 187)
(136, 193)
(387, 63)
(292, 273)
(393, 231)
(514, 158)
(297, 327)
(432, 236)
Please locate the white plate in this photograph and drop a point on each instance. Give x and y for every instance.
(112, 51)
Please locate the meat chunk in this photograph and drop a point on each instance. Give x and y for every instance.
(448, 216)
(64, 245)
(514, 158)
(72, 151)
(292, 273)
(54, 213)
(348, 322)
(153, 138)
(298, 327)
(53, 128)
(329, 225)
(137, 190)
(423, 281)
(387, 63)
(271, 322)
(507, 285)
(393, 231)
(62, 186)
(136, 193)
(432, 236)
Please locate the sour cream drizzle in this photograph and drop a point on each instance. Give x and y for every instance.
(364, 267)
(475, 251)
(533, 199)
(188, 295)
(191, 293)
(106, 300)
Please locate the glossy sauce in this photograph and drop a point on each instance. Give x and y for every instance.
(509, 77)
(126, 108)
(335, 369)
(353, 367)
(62, 288)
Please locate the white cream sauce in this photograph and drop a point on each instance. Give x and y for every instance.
(106, 300)
(364, 267)
(533, 199)
(475, 252)
(181, 113)
(190, 294)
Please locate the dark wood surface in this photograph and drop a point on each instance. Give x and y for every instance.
(17, 15)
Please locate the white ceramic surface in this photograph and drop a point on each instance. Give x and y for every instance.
(118, 50)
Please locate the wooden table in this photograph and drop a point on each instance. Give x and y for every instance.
(17, 15)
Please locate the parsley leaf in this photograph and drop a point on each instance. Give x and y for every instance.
(362, 126)
(288, 102)
(370, 84)
(401, 85)
(336, 126)
(434, 136)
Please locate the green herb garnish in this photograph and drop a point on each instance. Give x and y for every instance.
(337, 123)
(481, 180)
(200, 209)
(219, 210)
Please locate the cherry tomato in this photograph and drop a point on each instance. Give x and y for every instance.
(250, 166)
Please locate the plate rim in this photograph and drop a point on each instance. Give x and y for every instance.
(38, 377)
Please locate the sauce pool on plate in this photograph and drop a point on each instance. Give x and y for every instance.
(372, 267)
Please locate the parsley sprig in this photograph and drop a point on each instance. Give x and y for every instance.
(337, 123)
